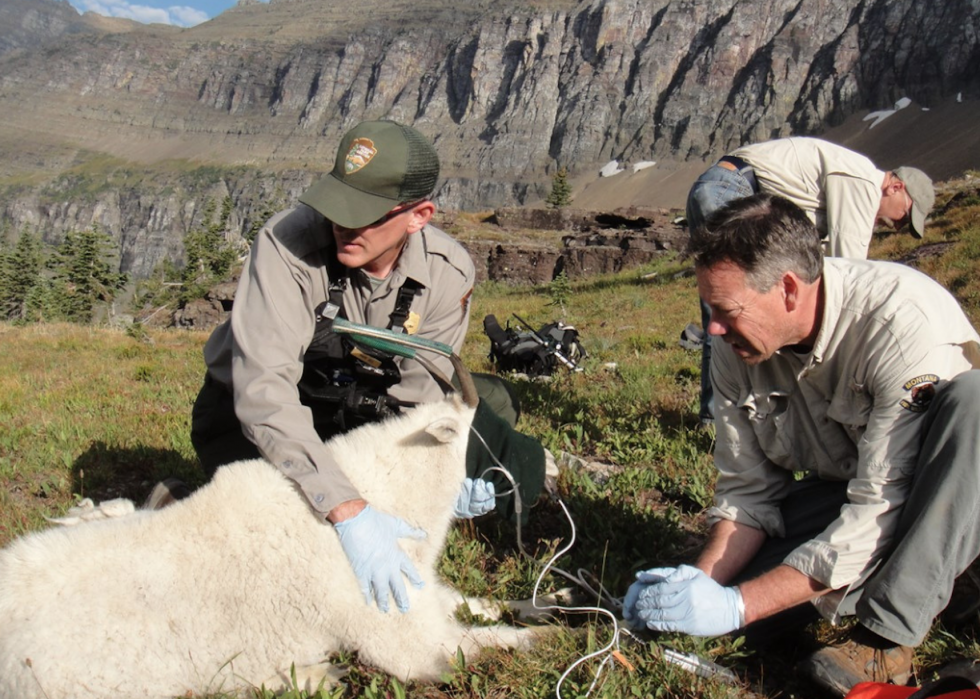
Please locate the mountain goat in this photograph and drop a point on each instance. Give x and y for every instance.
(230, 587)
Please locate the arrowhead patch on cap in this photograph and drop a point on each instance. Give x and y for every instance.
(361, 152)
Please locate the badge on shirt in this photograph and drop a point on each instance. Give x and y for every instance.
(922, 389)
(412, 323)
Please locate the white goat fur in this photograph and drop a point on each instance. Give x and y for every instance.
(229, 587)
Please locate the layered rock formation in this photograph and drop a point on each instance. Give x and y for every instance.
(506, 94)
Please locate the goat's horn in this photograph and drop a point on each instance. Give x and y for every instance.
(466, 385)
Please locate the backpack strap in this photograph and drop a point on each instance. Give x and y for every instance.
(338, 275)
(406, 294)
(403, 305)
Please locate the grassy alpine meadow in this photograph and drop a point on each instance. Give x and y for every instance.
(102, 413)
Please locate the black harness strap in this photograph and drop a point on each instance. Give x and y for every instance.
(325, 341)
(406, 294)
(403, 305)
(338, 279)
(338, 285)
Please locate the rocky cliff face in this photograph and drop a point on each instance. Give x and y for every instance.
(25, 24)
(506, 95)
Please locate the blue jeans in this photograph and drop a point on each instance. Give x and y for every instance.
(713, 189)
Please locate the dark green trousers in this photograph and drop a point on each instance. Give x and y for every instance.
(216, 432)
(494, 443)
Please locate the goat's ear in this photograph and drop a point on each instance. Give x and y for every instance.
(445, 429)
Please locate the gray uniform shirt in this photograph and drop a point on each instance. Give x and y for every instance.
(258, 353)
(840, 190)
(849, 410)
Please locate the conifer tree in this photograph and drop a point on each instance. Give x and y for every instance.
(271, 206)
(21, 270)
(42, 302)
(208, 260)
(560, 290)
(84, 274)
(161, 288)
(561, 190)
(209, 257)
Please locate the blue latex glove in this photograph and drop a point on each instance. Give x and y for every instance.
(687, 600)
(370, 540)
(476, 498)
(643, 579)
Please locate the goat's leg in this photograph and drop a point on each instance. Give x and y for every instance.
(423, 646)
(479, 637)
(528, 611)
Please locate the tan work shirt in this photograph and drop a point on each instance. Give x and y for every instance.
(259, 351)
(849, 410)
(839, 190)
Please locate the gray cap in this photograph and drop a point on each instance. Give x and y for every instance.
(919, 187)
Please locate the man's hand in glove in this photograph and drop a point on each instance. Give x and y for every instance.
(370, 540)
(683, 599)
(476, 498)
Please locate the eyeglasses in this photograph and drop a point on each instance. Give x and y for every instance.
(393, 213)
(907, 218)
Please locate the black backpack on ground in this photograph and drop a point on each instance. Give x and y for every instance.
(533, 353)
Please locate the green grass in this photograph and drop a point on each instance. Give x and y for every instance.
(95, 173)
(102, 413)
(90, 412)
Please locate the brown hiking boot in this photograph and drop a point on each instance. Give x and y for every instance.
(864, 657)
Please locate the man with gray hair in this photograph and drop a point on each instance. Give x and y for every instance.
(860, 375)
(842, 192)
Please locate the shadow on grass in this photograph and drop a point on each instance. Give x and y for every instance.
(104, 472)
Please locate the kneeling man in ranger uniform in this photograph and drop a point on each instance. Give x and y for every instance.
(360, 246)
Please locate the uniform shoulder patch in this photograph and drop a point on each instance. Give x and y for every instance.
(922, 389)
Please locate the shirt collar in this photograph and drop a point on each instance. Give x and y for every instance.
(833, 297)
(412, 262)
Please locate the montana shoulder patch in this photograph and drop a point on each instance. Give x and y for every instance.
(359, 154)
(922, 389)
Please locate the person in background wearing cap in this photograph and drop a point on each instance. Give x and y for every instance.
(842, 192)
(361, 238)
(848, 398)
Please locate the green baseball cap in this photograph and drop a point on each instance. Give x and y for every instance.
(379, 165)
(921, 192)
